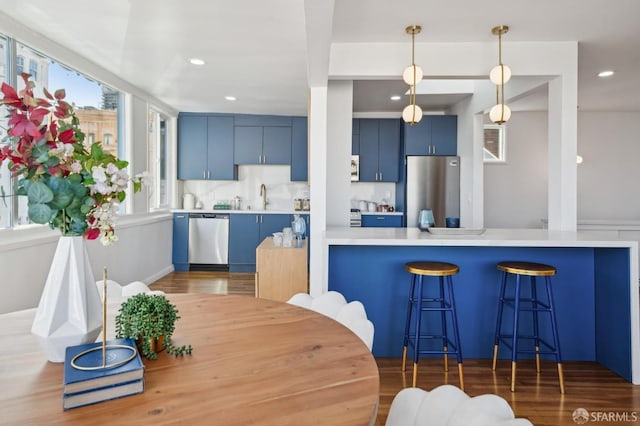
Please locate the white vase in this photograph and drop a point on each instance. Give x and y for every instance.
(70, 310)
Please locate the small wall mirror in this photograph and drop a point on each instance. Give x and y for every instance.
(494, 144)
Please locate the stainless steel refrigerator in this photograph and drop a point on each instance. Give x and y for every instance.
(432, 183)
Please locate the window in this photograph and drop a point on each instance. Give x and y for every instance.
(98, 107)
(33, 69)
(19, 65)
(494, 144)
(107, 139)
(157, 161)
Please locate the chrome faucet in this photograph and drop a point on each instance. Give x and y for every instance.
(263, 193)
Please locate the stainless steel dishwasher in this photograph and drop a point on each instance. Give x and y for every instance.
(208, 241)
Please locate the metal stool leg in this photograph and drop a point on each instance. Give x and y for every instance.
(499, 321)
(554, 331)
(454, 321)
(536, 332)
(443, 317)
(408, 322)
(416, 346)
(514, 347)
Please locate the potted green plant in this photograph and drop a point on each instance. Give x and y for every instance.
(150, 320)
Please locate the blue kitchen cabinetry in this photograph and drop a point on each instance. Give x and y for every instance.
(299, 150)
(355, 136)
(205, 147)
(262, 139)
(180, 253)
(381, 221)
(246, 232)
(379, 150)
(433, 135)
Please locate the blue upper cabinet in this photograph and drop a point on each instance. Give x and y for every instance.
(220, 148)
(389, 151)
(247, 147)
(262, 139)
(355, 136)
(379, 150)
(205, 147)
(192, 147)
(276, 145)
(299, 150)
(433, 135)
(444, 134)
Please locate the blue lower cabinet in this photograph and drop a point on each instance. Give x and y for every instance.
(381, 221)
(180, 252)
(246, 232)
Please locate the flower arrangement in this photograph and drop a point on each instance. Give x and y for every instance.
(71, 186)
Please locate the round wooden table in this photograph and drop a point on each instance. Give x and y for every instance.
(254, 361)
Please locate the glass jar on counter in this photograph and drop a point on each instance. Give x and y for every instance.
(306, 206)
(297, 204)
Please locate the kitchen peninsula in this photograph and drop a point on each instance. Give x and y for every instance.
(595, 289)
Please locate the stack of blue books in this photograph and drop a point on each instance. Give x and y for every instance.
(83, 387)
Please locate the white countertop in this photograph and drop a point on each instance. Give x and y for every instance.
(382, 213)
(491, 237)
(241, 211)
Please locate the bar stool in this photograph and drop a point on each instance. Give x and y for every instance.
(533, 305)
(442, 270)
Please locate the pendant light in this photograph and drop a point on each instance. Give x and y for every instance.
(412, 75)
(499, 75)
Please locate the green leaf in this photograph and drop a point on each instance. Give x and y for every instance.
(39, 192)
(96, 151)
(40, 213)
(63, 193)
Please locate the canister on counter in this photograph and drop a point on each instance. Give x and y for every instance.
(297, 204)
(305, 204)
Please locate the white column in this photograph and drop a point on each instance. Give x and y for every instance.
(318, 258)
(562, 151)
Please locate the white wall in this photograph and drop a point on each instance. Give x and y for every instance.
(143, 253)
(609, 177)
(515, 194)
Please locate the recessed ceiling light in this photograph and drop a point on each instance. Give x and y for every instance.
(230, 98)
(396, 98)
(196, 61)
(607, 73)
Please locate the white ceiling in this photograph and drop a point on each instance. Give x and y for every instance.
(262, 51)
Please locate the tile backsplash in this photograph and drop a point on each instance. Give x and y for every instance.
(280, 190)
(373, 191)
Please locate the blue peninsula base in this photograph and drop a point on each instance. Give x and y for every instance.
(591, 292)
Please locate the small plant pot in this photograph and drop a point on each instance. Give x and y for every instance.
(157, 344)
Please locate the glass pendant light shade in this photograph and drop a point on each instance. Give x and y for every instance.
(408, 75)
(499, 113)
(412, 114)
(497, 72)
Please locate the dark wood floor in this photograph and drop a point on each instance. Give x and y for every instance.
(588, 385)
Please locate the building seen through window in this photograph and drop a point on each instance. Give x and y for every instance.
(97, 106)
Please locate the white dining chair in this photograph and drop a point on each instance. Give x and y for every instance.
(333, 305)
(447, 405)
(118, 292)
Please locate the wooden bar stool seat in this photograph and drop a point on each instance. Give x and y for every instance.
(443, 303)
(533, 304)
